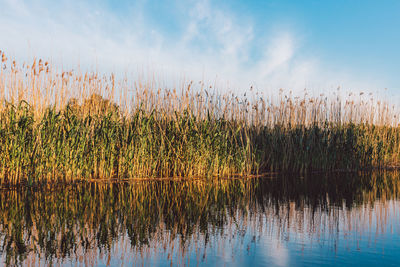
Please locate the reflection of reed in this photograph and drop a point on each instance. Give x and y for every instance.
(92, 222)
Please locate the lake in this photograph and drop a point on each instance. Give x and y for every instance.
(278, 220)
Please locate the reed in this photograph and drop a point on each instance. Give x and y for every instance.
(71, 125)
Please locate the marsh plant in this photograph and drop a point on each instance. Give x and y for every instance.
(71, 125)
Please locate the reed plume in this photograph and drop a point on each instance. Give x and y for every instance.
(71, 125)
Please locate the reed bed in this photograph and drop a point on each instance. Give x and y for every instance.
(71, 125)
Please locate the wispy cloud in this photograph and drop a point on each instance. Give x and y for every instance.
(212, 43)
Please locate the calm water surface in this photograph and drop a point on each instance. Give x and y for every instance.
(322, 220)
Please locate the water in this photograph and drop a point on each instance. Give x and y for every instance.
(321, 220)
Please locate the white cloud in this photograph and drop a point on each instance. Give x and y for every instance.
(213, 43)
(278, 54)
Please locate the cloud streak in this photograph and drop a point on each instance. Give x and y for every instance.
(212, 44)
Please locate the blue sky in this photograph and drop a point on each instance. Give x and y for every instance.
(312, 44)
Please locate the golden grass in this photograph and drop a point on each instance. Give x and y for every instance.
(67, 125)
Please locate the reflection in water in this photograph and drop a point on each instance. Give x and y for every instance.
(257, 221)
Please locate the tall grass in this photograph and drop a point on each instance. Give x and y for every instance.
(68, 125)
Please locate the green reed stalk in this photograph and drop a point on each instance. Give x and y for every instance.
(68, 126)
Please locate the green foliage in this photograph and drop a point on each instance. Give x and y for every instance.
(103, 143)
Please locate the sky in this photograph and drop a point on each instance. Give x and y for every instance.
(270, 44)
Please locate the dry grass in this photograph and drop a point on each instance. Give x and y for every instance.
(67, 125)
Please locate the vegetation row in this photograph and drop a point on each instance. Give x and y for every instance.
(64, 126)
